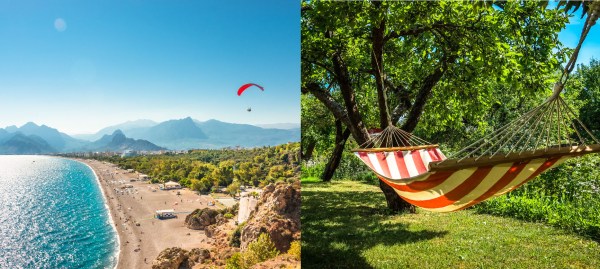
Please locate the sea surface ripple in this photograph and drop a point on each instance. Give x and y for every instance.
(53, 215)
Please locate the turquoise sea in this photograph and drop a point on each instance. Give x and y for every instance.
(53, 215)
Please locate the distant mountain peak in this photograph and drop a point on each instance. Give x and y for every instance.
(121, 142)
(49, 135)
(29, 124)
(116, 132)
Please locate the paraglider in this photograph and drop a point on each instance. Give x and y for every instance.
(246, 86)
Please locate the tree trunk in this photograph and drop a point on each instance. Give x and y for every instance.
(394, 201)
(336, 155)
(377, 66)
(356, 126)
(309, 150)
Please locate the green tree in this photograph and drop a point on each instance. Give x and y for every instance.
(277, 171)
(589, 113)
(223, 174)
(197, 185)
(206, 183)
(389, 63)
(244, 172)
(233, 189)
(259, 250)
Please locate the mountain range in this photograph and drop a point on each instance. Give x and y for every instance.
(144, 135)
(19, 143)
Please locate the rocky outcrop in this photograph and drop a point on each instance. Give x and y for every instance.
(187, 264)
(219, 219)
(199, 254)
(278, 214)
(174, 258)
(202, 218)
(219, 236)
(210, 231)
(225, 254)
(170, 258)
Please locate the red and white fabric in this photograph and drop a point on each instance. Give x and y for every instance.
(451, 190)
(399, 165)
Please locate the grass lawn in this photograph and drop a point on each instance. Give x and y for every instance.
(346, 224)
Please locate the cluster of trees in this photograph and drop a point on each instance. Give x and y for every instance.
(446, 71)
(203, 169)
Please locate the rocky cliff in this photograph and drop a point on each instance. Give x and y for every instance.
(278, 214)
(247, 204)
(202, 218)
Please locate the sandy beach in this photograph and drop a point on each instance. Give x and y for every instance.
(152, 235)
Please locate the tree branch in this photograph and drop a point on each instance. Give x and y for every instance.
(333, 105)
(355, 122)
(368, 71)
(424, 92)
(319, 64)
(403, 98)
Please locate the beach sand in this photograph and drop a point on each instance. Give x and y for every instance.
(153, 235)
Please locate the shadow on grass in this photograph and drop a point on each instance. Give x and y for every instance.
(339, 225)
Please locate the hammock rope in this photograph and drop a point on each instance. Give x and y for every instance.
(550, 113)
(393, 136)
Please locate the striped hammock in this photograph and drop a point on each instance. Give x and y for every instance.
(424, 177)
(408, 172)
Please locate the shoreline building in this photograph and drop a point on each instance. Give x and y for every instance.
(129, 153)
(171, 185)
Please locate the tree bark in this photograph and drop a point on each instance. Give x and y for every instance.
(309, 150)
(356, 126)
(338, 111)
(394, 201)
(336, 155)
(377, 66)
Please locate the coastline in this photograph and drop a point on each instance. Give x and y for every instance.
(140, 235)
(110, 220)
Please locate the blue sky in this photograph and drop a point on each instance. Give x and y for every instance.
(114, 61)
(80, 66)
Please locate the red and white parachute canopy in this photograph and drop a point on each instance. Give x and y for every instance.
(246, 86)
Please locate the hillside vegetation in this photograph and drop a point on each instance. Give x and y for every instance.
(203, 169)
